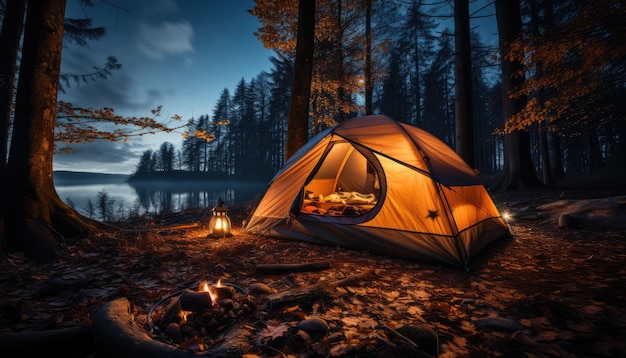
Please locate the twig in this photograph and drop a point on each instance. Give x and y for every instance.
(401, 336)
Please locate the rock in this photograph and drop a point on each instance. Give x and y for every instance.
(317, 328)
(422, 335)
(259, 287)
(173, 331)
(565, 221)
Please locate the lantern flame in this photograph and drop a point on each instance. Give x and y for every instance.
(218, 224)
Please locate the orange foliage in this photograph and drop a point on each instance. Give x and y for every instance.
(339, 51)
(84, 125)
(577, 68)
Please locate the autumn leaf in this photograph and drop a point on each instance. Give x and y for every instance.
(455, 348)
(391, 295)
(351, 320)
(274, 329)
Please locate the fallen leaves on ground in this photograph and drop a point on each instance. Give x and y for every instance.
(546, 291)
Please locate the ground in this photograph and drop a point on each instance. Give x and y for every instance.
(555, 288)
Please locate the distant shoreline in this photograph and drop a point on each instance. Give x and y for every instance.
(177, 176)
(64, 177)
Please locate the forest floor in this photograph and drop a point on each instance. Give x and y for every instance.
(547, 291)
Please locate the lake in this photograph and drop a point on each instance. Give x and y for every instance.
(156, 197)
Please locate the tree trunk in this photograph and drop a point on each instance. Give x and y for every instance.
(341, 91)
(596, 160)
(369, 81)
(418, 89)
(297, 128)
(553, 140)
(463, 83)
(541, 97)
(32, 212)
(518, 171)
(10, 35)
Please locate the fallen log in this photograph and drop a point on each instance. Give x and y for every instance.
(319, 290)
(282, 268)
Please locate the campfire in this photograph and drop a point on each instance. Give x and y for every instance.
(222, 319)
(194, 319)
(201, 317)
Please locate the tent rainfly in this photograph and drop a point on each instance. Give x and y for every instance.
(372, 183)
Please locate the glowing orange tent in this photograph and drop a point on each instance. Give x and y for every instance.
(376, 184)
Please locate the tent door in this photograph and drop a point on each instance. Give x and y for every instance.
(345, 183)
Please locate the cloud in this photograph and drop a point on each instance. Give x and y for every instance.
(100, 156)
(166, 38)
(119, 91)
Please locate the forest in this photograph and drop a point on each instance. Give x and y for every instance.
(569, 89)
(544, 105)
(541, 108)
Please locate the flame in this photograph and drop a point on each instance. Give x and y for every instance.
(212, 291)
(204, 287)
(213, 295)
(218, 224)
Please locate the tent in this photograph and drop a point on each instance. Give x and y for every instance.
(372, 183)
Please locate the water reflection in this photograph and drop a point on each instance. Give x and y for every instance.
(160, 197)
(176, 196)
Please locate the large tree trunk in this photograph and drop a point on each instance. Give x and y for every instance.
(32, 212)
(463, 83)
(518, 171)
(10, 35)
(298, 126)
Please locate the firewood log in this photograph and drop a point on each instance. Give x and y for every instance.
(195, 301)
(319, 290)
(282, 268)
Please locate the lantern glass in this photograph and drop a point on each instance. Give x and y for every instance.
(219, 225)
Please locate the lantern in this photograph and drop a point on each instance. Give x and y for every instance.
(219, 225)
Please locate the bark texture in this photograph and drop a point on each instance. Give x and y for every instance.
(34, 218)
(518, 171)
(297, 128)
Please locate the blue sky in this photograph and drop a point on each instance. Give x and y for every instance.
(179, 54)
